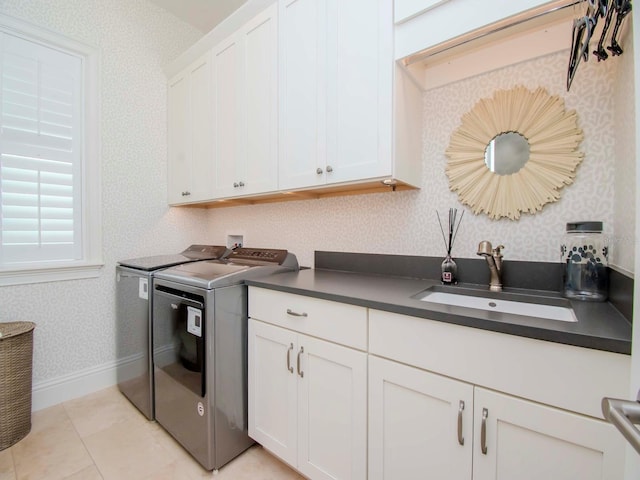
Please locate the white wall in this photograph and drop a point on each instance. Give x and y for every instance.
(405, 222)
(75, 319)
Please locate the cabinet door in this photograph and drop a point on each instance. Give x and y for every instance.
(359, 89)
(529, 441)
(414, 419)
(227, 118)
(190, 167)
(258, 171)
(302, 93)
(272, 389)
(201, 130)
(332, 406)
(179, 163)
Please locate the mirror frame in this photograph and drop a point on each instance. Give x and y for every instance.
(553, 136)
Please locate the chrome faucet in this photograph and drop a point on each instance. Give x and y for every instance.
(494, 259)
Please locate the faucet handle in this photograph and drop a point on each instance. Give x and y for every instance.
(496, 251)
(484, 248)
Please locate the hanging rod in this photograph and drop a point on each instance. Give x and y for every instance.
(497, 27)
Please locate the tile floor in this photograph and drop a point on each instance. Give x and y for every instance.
(102, 436)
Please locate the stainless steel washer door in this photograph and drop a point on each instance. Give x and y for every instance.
(179, 359)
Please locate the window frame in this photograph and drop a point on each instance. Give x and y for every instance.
(91, 263)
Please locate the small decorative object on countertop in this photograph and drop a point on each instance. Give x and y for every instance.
(585, 252)
(449, 269)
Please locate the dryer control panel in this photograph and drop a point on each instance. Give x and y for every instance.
(270, 255)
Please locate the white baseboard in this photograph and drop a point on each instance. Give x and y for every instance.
(67, 387)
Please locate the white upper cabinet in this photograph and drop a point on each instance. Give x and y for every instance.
(190, 164)
(336, 92)
(245, 109)
(304, 96)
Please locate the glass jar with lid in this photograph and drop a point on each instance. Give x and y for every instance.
(585, 253)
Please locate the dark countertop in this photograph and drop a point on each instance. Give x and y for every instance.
(599, 326)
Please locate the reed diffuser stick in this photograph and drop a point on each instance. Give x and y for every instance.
(449, 268)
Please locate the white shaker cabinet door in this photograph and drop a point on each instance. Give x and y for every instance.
(259, 168)
(359, 89)
(190, 168)
(302, 93)
(420, 424)
(332, 411)
(519, 439)
(227, 118)
(273, 389)
(245, 79)
(179, 163)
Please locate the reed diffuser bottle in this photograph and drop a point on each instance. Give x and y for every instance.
(449, 269)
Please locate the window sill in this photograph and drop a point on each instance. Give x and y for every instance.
(43, 274)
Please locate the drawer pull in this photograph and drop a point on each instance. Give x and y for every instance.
(483, 431)
(460, 410)
(289, 350)
(300, 372)
(296, 314)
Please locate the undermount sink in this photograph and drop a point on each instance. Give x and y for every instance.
(466, 300)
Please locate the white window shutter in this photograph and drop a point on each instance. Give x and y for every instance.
(41, 135)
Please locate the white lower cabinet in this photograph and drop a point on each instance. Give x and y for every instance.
(344, 392)
(424, 425)
(529, 441)
(420, 424)
(308, 402)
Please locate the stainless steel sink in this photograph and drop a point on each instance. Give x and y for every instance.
(490, 303)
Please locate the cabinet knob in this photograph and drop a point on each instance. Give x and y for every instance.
(241, 184)
(319, 171)
(329, 169)
(186, 194)
(235, 185)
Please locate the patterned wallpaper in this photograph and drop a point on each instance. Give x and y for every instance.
(75, 319)
(405, 222)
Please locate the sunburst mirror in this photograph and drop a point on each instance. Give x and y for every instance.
(513, 153)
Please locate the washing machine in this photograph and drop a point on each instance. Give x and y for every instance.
(134, 299)
(200, 351)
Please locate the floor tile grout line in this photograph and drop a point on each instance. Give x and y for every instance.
(75, 428)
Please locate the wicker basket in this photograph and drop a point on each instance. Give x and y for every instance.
(16, 360)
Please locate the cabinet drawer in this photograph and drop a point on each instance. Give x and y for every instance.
(333, 321)
(573, 378)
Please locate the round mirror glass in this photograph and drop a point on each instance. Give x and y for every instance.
(507, 153)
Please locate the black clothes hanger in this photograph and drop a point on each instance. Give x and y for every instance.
(584, 27)
(622, 8)
(600, 52)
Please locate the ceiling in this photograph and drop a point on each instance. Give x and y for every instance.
(202, 14)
